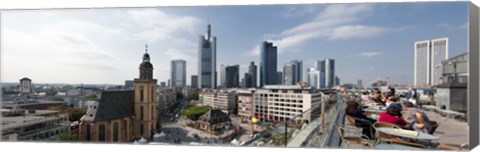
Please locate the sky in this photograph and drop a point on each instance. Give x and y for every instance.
(105, 46)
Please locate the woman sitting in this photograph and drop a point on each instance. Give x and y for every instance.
(361, 120)
(394, 115)
(419, 119)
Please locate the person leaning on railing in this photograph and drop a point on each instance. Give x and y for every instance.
(353, 109)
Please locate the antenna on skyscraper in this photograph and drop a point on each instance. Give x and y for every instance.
(146, 48)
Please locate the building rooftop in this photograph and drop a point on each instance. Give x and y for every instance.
(112, 105)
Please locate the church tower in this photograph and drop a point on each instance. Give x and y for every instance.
(146, 112)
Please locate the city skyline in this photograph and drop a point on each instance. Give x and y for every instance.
(98, 46)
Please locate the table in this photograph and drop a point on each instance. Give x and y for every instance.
(373, 110)
(420, 136)
(396, 147)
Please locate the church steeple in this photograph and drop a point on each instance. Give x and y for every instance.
(146, 68)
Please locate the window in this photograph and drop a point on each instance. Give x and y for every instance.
(115, 132)
(141, 112)
(88, 132)
(141, 129)
(141, 95)
(101, 132)
(152, 113)
(125, 130)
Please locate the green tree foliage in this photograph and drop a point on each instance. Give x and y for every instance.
(193, 112)
(67, 137)
(74, 114)
(180, 95)
(58, 99)
(195, 96)
(92, 97)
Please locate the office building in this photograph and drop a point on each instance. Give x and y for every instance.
(194, 81)
(268, 64)
(129, 84)
(456, 69)
(337, 81)
(33, 125)
(359, 84)
(252, 71)
(313, 78)
(223, 100)
(163, 84)
(207, 60)
(245, 104)
(247, 81)
(279, 78)
(289, 70)
(428, 58)
(278, 103)
(326, 68)
(222, 76)
(232, 76)
(178, 73)
(298, 72)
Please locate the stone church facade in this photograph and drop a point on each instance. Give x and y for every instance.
(125, 115)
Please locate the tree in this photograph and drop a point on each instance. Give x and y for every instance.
(92, 97)
(67, 137)
(58, 99)
(180, 95)
(194, 112)
(74, 114)
(195, 96)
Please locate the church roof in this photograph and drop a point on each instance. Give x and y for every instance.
(214, 116)
(112, 105)
(146, 65)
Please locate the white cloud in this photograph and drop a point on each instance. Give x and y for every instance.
(356, 31)
(370, 54)
(334, 22)
(157, 25)
(93, 47)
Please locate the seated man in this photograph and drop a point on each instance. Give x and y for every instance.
(394, 116)
(353, 109)
(419, 119)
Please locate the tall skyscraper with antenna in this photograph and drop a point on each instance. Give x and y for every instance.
(207, 60)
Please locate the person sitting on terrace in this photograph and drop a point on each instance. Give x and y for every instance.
(419, 119)
(390, 100)
(353, 109)
(393, 115)
(377, 99)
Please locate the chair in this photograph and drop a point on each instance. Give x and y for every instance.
(348, 140)
(352, 121)
(392, 139)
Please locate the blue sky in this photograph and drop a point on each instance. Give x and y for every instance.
(368, 41)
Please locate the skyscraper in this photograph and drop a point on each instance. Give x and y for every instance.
(178, 73)
(232, 76)
(428, 57)
(252, 71)
(326, 68)
(337, 81)
(289, 70)
(268, 64)
(313, 78)
(222, 76)
(207, 58)
(359, 84)
(194, 81)
(279, 76)
(298, 72)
